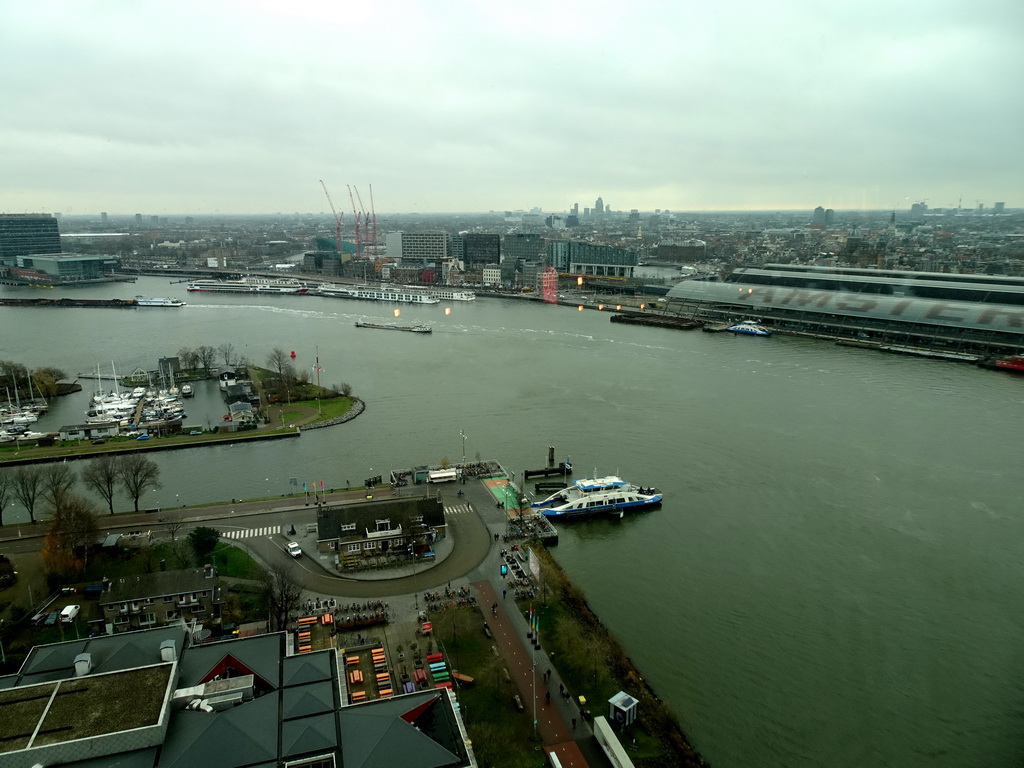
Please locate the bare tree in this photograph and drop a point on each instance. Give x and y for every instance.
(188, 358)
(137, 473)
(73, 530)
(227, 352)
(6, 491)
(58, 480)
(278, 361)
(45, 380)
(207, 355)
(102, 475)
(281, 593)
(28, 486)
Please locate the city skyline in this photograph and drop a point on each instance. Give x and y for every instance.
(242, 108)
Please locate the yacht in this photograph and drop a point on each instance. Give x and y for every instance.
(250, 285)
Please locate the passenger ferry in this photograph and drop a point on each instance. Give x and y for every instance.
(146, 301)
(250, 285)
(389, 293)
(750, 328)
(609, 495)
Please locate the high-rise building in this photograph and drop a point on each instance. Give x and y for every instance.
(522, 247)
(419, 247)
(999, 207)
(818, 217)
(103, 217)
(598, 207)
(27, 234)
(481, 249)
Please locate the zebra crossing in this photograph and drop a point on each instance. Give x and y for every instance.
(249, 533)
(458, 509)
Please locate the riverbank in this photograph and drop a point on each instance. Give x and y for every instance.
(596, 667)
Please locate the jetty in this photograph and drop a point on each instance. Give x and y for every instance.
(561, 469)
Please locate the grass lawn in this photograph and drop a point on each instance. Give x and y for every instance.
(234, 562)
(502, 736)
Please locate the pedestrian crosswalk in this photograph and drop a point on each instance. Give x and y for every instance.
(458, 509)
(249, 533)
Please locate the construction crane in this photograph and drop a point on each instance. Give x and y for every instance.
(356, 214)
(337, 218)
(366, 220)
(373, 211)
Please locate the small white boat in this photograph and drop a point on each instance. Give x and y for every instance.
(750, 328)
(186, 390)
(147, 301)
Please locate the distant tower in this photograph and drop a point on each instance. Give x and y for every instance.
(818, 217)
(103, 217)
(830, 217)
(999, 207)
(598, 207)
(892, 225)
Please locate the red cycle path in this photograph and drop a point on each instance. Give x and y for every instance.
(554, 732)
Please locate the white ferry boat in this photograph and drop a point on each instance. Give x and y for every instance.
(250, 285)
(610, 495)
(389, 293)
(148, 301)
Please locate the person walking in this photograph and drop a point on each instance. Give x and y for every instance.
(503, 593)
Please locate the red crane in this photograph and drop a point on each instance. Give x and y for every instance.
(337, 218)
(356, 214)
(366, 223)
(374, 212)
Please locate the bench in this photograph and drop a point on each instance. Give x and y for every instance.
(355, 677)
(351, 660)
(438, 665)
(305, 620)
(383, 677)
(359, 696)
(305, 648)
(419, 675)
(385, 692)
(435, 657)
(442, 685)
(327, 618)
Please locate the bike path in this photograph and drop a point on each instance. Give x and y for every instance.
(527, 668)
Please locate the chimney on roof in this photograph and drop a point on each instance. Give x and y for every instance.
(83, 664)
(168, 651)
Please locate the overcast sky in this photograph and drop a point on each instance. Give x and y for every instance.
(465, 105)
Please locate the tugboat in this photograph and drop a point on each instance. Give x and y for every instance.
(1011, 363)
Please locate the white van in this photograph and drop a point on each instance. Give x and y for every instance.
(70, 613)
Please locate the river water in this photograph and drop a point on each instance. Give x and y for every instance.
(834, 578)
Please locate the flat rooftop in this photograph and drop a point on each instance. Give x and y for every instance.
(82, 707)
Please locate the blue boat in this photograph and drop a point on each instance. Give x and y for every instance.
(750, 328)
(610, 495)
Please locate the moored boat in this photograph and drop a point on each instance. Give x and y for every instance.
(250, 285)
(609, 495)
(186, 390)
(750, 328)
(1011, 363)
(389, 293)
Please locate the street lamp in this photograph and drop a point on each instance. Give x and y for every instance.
(463, 433)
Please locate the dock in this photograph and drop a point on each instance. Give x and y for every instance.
(561, 469)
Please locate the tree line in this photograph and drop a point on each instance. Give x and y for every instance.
(44, 487)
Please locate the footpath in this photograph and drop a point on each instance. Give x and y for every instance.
(559, 724)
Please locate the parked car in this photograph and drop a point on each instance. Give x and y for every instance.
(294, 549)
(196, 432)
(98, 441)
(70, 613)
(142, 437)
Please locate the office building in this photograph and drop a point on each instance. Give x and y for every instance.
(481, 249)
(422, 248)
(27, 234)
